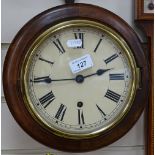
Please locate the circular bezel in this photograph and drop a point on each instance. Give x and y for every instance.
(70, 24)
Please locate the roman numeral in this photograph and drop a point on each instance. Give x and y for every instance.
(116, 76)
(59, 46)
(80, 117)
(112, 96)
(61, 112)
(47, 99)
(80, 36)
(99, 42)
(101, 111)
(114, 56)
(46, 61)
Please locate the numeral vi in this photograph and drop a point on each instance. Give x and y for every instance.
(80, 117)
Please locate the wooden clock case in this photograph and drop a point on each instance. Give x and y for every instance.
(145, 21)
(17, 52)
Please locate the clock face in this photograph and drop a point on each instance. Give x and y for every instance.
(79, 79)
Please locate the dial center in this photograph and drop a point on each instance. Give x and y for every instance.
(79, 78)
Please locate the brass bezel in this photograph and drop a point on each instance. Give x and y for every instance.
(81, 23)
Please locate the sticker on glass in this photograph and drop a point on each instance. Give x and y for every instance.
(80, 64)
(74, 43)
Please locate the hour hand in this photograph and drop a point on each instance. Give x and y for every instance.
(45, 79)
(102, 71)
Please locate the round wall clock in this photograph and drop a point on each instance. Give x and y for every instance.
(75, 77)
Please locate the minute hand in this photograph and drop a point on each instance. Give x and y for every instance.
(98, 72)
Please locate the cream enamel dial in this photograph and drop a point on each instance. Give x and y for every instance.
(90, 101)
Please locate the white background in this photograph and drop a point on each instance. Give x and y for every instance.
(15, 13)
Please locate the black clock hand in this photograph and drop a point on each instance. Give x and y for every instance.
(47, 79)
(80, 78)
(98, 72)
(64, 79)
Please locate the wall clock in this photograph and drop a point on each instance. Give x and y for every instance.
(144, 9)
(76, 78)
(145, 21)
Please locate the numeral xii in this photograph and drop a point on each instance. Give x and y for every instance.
(79, 35)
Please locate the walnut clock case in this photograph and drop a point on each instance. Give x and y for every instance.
(76, 78)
